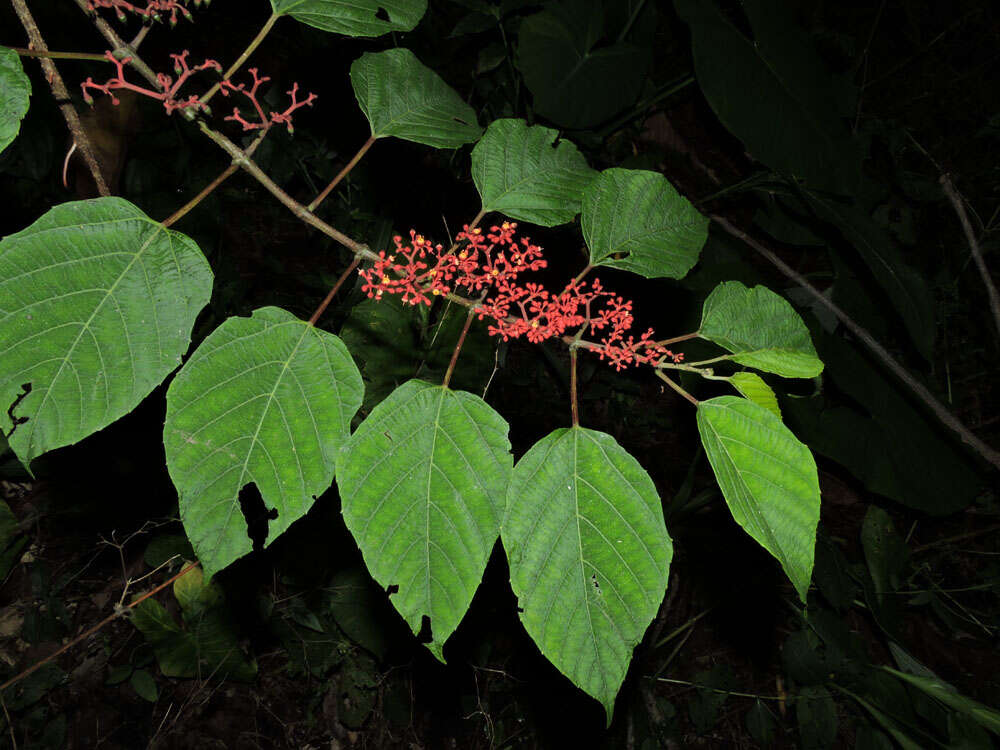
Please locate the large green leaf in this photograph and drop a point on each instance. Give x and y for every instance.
(97, 303)
(354, 17)
(589, 555)
(576, 79)
(761, 329)
(636, 220)
(768, 478)
(523, 173)
(774, 93)
(404, 98)
(422, 482)
(15, 90)
(266, 400)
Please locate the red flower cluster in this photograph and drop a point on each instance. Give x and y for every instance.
(284, 118)
(170, 87)
(490, 264)
(153, 9)
(476, 267)
(168, 94)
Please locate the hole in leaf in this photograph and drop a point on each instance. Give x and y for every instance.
(391, 589)
(382, 14)
(256, 514)
(520, 609)
(425, 636)
(593, 580)
(459, 120)
(16, 420)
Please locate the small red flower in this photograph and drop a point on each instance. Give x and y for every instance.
(487, 266)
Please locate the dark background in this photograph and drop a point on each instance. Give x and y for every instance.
(336, 667)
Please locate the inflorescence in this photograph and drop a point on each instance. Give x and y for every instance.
(154, 10)
(169, 88)
(487, 266)
(283, 118)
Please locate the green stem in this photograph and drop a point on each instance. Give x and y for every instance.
(58, 55)
(726, 692)
(265, 29)
(342, 174)
(678, 339)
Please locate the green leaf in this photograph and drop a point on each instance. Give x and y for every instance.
(404, 98)
(144, 685)
(768, 478)
(576, 79)
(753, 387)
(266, 400)
(589, 555)
(15, 91)
(774, 93)
(636, 220)
(817, 716)
(422, 483)
(208, 645)
(97, 303)
(986, 717)
(523, 173)
(354, 17)
(761, 329)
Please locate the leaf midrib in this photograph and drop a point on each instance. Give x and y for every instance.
(86, 327)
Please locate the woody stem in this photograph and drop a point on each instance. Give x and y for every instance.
(342, 174)
(210, 187)
(333, 292)
(574, 411)
(458, 347)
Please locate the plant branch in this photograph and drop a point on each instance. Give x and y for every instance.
(458, 347)
(678, 339)
(240, 157)
(23, 52)
(579, 277)
(918, 388)
(574, 410)
(61, 96)
(977, 254)
(119, 48)
(119, 611)
(333, 292)
(660, 374)
(208, 189)
(265, 29)
(342, 174)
